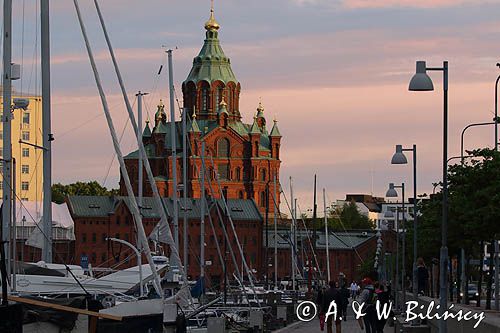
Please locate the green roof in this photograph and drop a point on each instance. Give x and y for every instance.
(275, 132)
(255, 128)
(102, 206)
(91, 206)
(337, 241)
(150, 152)
(147, 131)
(193, 126)
(160, 128)
(211, 64)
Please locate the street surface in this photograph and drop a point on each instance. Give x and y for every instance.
(349, 326)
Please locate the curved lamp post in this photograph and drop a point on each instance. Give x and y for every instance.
(496, 110)
(139, 261)
(422, 82)
(400, 158)
(392, 193)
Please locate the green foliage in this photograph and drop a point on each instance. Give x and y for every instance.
(473, 202)
(60, 191)
(349, 218)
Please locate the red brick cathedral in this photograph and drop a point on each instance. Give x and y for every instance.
(246, 157)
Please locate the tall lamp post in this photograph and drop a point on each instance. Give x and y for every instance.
(496, 110)
(400, 158)
(392, 193)
(469, 126)
(422, 82)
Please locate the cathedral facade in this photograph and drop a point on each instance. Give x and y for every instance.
(243, 157)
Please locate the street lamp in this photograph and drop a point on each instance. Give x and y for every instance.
(139, 261)
(392, 193)
(494, 122)
(400, 158)
(422, 82)
(496, 110)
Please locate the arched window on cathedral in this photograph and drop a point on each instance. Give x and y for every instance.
(240, 194)
(237, 174)
(277, 147)
(262, 199)
(256, 148)
(223, 171)
(218, 96)
(204, 98)
(223, 147)
(263, 175)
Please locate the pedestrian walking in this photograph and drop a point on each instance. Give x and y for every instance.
(332, 295)
(368, 297)
(422, 277)
(344, 295)
(354, 290)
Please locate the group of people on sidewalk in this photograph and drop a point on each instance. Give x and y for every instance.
(368, 294)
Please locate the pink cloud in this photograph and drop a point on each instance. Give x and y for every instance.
(357, 4)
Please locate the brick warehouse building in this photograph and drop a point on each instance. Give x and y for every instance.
(246, 157)
(348, 251)
(97, 217)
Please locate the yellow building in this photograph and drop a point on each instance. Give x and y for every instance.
(26, 126)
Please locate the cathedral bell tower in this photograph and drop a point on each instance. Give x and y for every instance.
(211, 79)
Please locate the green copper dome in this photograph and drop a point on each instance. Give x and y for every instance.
(211, 64)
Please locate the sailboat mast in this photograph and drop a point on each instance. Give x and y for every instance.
(202, 221)
(184, 189)
(46, 129)
(315, 207)
(327, 238)
(173, 138)
(139, 137)
(292, 234)
(7, 147)
(275, 236)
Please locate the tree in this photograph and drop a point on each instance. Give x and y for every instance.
(347, 218)
(474, 212)
(60, 191)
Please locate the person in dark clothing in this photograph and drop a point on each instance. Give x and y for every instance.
(422, 277)
(344, 295)
(332, 295)
(368, 297)
(383, 296)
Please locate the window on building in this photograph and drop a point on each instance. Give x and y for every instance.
(218, 96)
(118, 220)
(84, 238)
(25, 186)
(126, 237)
(204, 99)
(223, 147)
(24, 199)
(223, 171)
(104, 238)
(237, 175)
(262, 199)
(117, 235)
(94, 237)
(240, 194)
(263, 175)
(25, 169)
(26, 152)
(26, 135)
(26, 118)
(94, 257)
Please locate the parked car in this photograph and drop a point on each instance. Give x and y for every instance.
(472, 292)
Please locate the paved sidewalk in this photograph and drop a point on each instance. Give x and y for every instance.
(349, 326)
